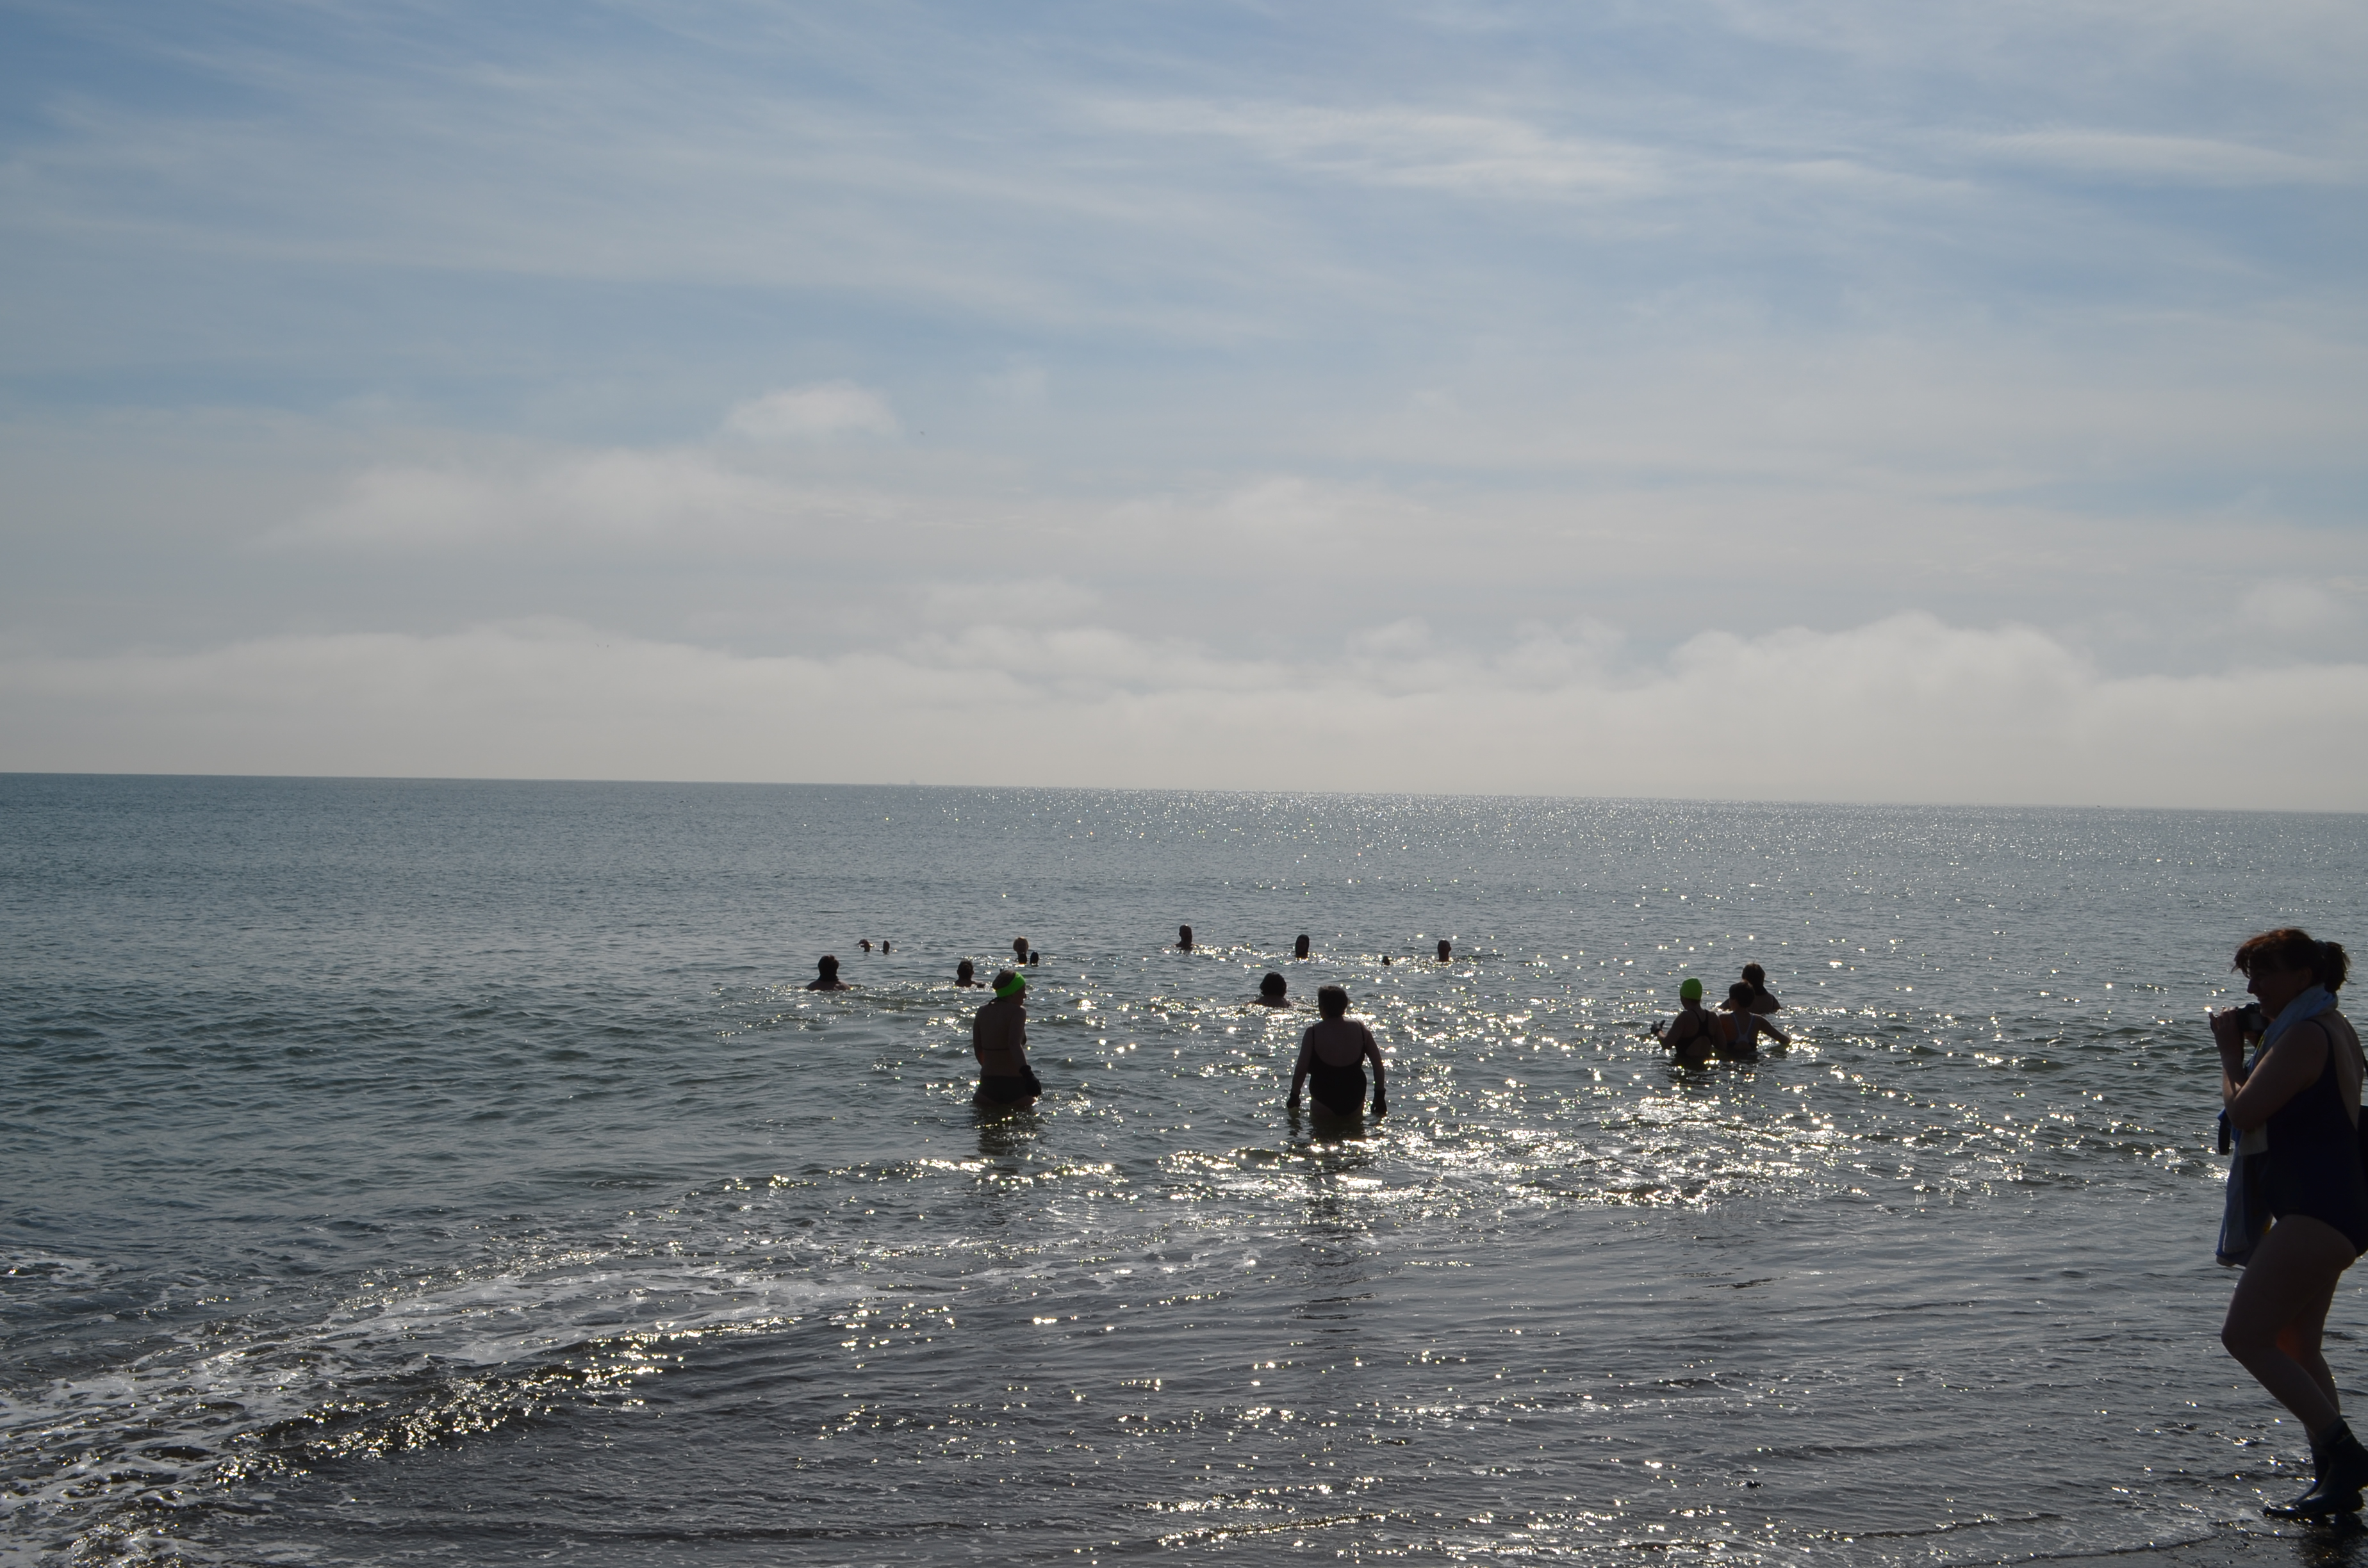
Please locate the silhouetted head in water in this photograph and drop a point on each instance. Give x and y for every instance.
(827, 978)
(1385, 960)
(864, 942)
(1755, 977)
(1299, 948)
(1272, 989)
(1019, 949)
(1739, 995)
(1184, 938)
(828, 965)
(965, 974)
(1444, 950)
(1332, 1001)
(884, 944)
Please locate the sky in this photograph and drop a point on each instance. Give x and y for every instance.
(1700, 398)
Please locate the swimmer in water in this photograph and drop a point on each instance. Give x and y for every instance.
(1183, 938)
(1736, 1028)
(1018, 949)
(966, 974)
(828, 979)
(1688, 1034)
(1763, 1001)
(1334, 1052)
(998, 1038)
(1271, 992)
(1299, 948)
(1444, 950)
(864, 942)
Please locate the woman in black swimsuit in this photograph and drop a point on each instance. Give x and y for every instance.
(998, 1038)
(2305, 1089)
(1334, 1052)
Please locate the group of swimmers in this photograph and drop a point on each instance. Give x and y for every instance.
(1333, 1051)
(1731, 1034)
(1271, 990)
(2297, 1196)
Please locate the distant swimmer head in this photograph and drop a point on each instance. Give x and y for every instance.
(1272, 986)
(1020, 946)
(1332, 1001)
(1689, 990)
(1756, 976)
(828, 965)
(1444, 949)
(965, 974)
(1299, 948)
(1007, 984)
(1184, 938)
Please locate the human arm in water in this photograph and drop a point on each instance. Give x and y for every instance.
(1299, 1069)
(1771, 1030)
(1372, 1052)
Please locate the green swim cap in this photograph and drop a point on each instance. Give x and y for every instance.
(1018, 983)
(1689, 990)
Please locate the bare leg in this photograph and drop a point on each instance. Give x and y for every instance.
(2300, 1339)
(2279, 1311)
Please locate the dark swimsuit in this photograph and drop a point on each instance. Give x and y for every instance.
(1005, 1088)
(2313, 1165)
(1340, 1090)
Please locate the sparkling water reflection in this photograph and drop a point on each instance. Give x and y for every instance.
(461, 1168)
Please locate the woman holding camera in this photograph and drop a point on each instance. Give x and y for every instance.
(2304, 1090)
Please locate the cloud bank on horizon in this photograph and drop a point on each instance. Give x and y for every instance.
(1967, 403)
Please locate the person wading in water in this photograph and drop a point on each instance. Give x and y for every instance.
(2304, 1088)
(1333, 1052)
(998, 1037)
(1688, 1034)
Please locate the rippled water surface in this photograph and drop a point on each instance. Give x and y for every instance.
(397, 1171)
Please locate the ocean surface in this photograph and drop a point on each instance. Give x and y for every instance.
(402, 1171)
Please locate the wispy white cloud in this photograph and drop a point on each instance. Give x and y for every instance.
(2165, 160)
(644, 500)
(1903, 709)
(1476, 154)
(820, 412)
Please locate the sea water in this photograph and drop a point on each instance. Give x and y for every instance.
(404, 1171)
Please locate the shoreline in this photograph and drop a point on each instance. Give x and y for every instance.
(2243, 1545)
